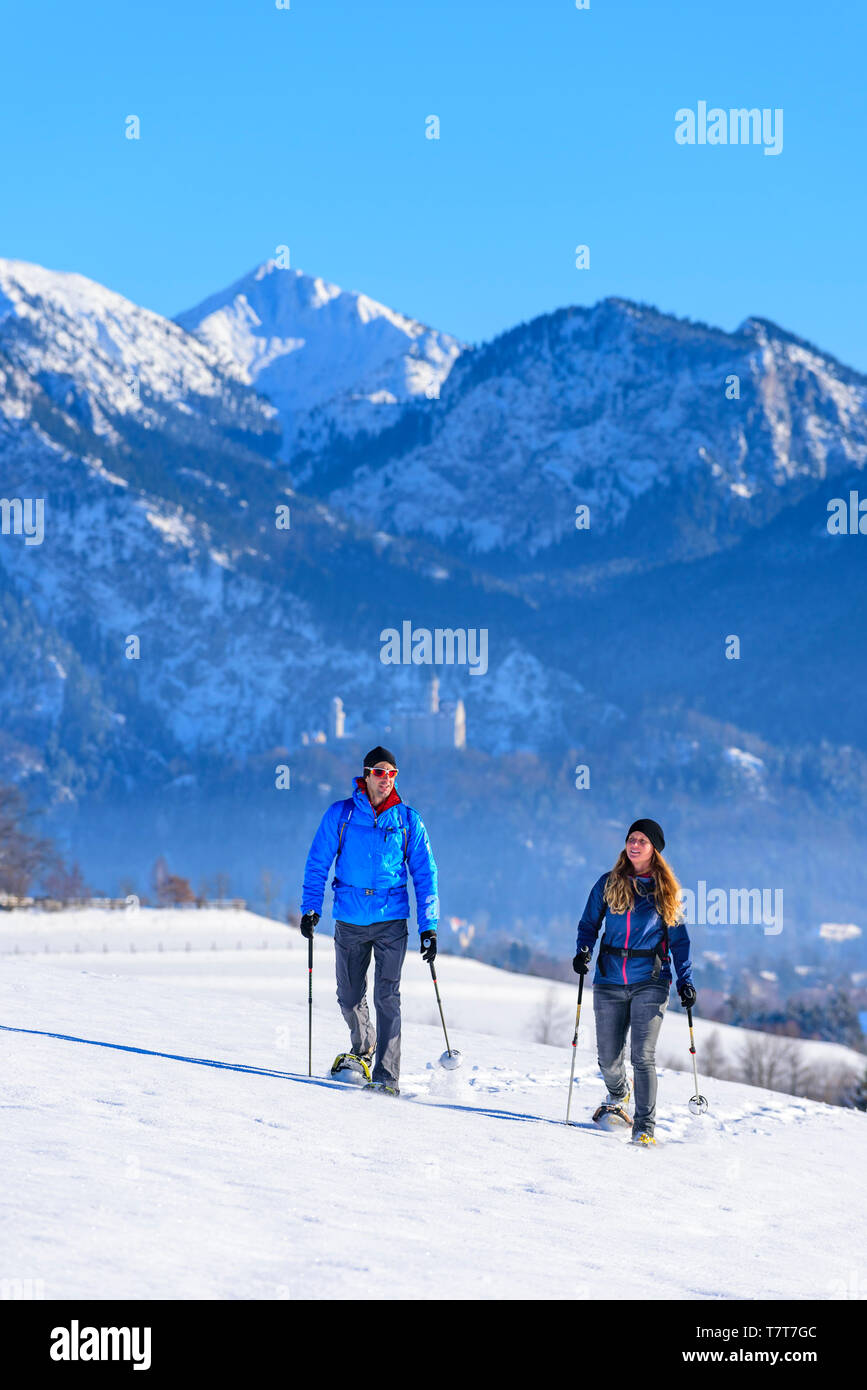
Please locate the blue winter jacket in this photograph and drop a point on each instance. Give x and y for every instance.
(641, 928)
(373, 853)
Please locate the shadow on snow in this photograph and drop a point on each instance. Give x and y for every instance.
(281, 1075)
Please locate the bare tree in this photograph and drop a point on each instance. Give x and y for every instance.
(270, 888)
(711, 1056)
(160, 874)
(775, 1063)
(67, 885)
(834, 1083)
(23, 856)
(222, 882)
(170, 888)
(551, 1023)
(797, 1073)
(176, 890)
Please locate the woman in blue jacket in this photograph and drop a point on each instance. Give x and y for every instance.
(372, 838)
(639, 900)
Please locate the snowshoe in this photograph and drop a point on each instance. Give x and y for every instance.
(383, 1087)
(643, 1139)
(611, 1117)
(351, 1068)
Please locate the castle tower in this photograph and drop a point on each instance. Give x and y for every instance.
(338, 718)
(460, 725)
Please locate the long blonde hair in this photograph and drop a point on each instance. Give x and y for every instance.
(620, 890)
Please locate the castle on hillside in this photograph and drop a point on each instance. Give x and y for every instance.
(442, 724)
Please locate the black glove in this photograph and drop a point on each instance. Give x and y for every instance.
(308, 922)
(581, 963)
(428, 946)
(687, 995)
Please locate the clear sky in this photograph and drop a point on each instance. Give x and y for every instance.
(306, 127)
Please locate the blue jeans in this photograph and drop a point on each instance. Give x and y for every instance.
(617, 1008)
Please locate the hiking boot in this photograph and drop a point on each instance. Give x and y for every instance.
(619, 1100)
(386, 1088)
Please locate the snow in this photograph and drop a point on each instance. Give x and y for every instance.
(751, 768)
(311, 346)
(165, 1140)
(172, 527)
(82, 331)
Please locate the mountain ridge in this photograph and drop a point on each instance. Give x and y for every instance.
(160, 523)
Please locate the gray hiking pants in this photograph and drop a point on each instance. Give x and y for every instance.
(352, 948)
(617, 1008)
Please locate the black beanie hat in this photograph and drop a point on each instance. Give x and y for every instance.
(379, 755)
(652, 830)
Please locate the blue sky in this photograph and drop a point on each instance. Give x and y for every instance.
(306, 127)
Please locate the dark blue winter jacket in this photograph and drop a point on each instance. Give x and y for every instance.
(641, 929)
(373, 853)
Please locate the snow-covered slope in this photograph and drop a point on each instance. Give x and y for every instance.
(101, 360)
(167, 1142)
(327, 357)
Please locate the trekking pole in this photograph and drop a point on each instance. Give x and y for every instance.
(310, 1004)
(451, 1058)
(574, 1046)
(697, 1103)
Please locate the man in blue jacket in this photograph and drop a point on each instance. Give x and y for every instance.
(374, 838)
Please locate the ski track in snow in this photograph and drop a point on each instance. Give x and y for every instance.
(172, 1145)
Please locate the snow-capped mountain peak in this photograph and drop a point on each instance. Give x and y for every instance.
(324, 355)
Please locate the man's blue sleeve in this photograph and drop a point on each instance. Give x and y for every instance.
(422, 866)
(591, 917)
(320, 859)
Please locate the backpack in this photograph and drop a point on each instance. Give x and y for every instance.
(349, 807)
